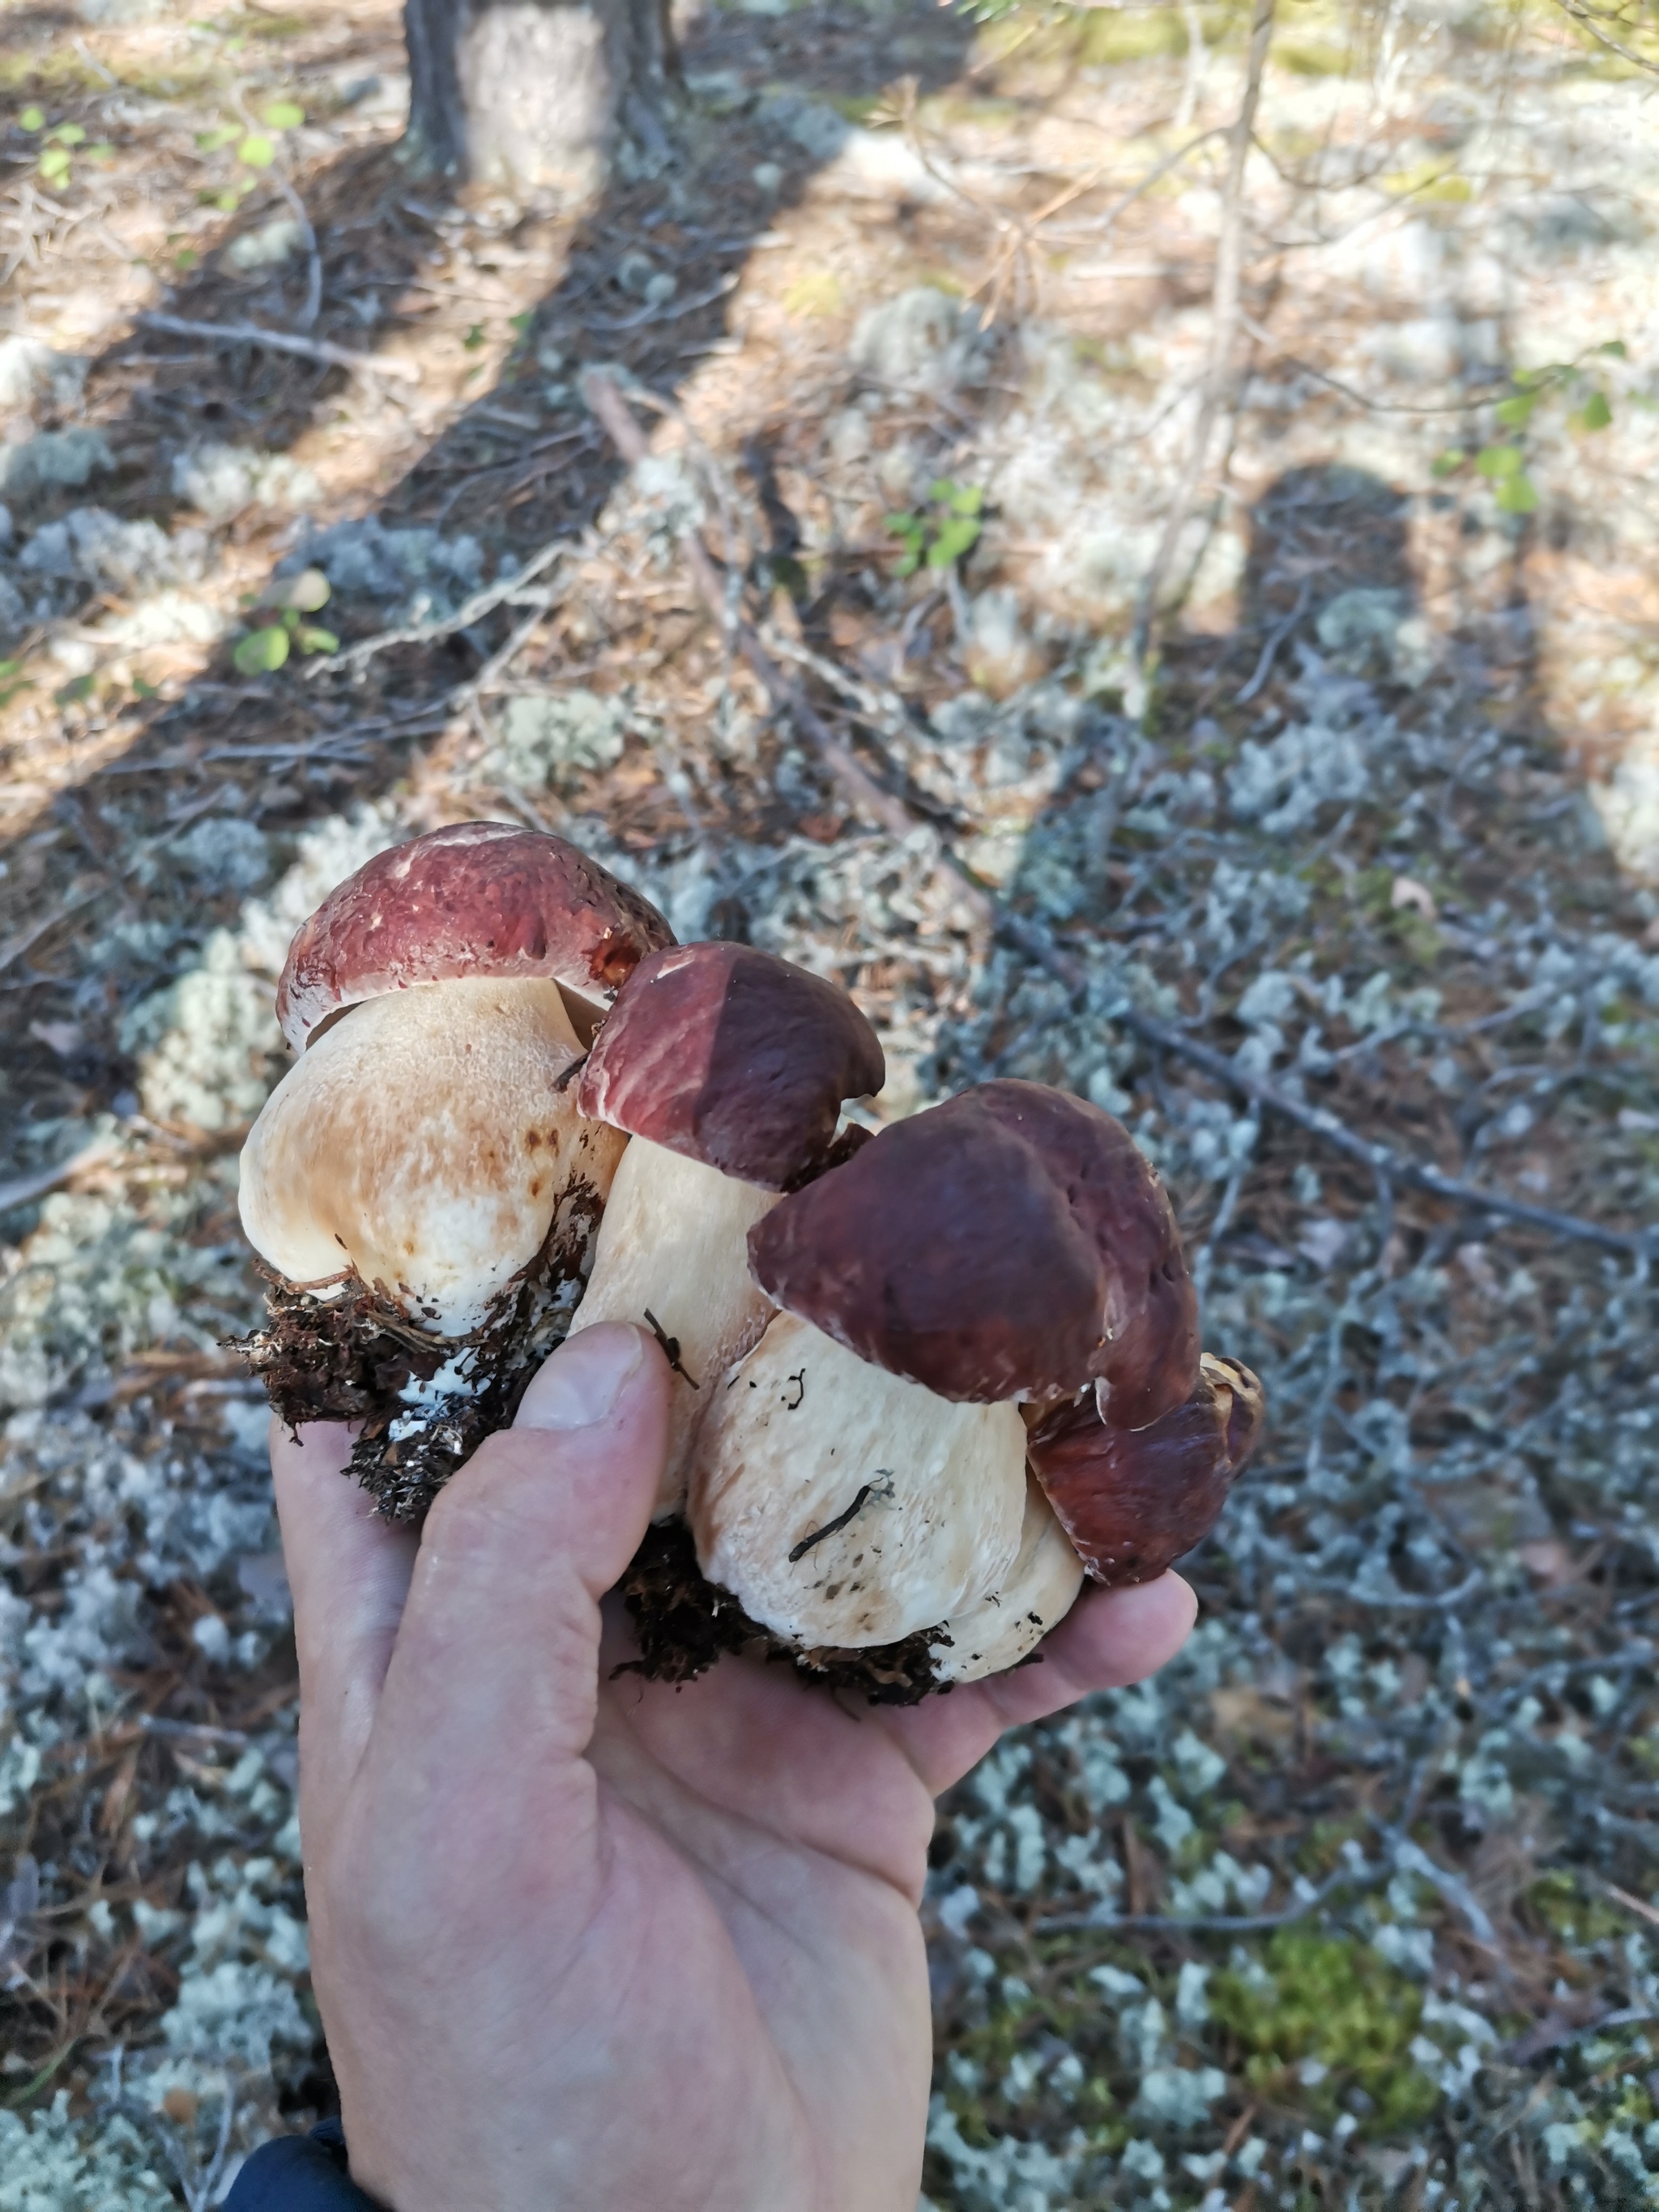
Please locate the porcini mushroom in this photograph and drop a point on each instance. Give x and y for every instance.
(421, 1184)
(922, 1379)
(1133, 1500)
(1010, 1244)
(727, 1067)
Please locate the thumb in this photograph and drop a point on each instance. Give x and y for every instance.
(500, 1634)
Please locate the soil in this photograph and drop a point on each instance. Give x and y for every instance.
(352, 1356)
(684, 1624)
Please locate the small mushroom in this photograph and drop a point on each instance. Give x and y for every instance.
(1133, 1500)
(1037, 1591)
(727, 1067)
(422, 1183)
(1010, 1244)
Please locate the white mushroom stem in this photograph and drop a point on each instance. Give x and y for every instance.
(843, 1505)
(423, 1141)
(1040, 1589)
(673, 1246)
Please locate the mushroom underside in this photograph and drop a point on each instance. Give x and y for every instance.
(345, 1351)
(682, 1623)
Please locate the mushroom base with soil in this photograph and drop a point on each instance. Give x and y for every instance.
(682, 1623)
(342, 1351)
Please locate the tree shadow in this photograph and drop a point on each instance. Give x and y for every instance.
(514, 468)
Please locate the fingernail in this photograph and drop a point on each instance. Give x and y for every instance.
(583, 1380)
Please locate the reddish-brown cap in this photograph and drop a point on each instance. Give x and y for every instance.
(480, 899)
(734, 1057)
(1012, 1243)
(1133, 1500)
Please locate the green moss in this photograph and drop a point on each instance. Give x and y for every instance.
(1557, 1900)
(1336, 2004)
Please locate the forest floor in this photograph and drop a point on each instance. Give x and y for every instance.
(1356, 1903)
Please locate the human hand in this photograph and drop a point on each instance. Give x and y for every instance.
(586, 1945)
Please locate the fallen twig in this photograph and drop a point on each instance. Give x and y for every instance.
(505, 593)
(607, 403)
(317, 349)
(23, 1190)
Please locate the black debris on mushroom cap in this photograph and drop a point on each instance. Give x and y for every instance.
(480, 898)
(733, 1057)
(1133, 1501)
(1010, 1243)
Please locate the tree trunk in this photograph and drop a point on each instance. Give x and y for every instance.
(538, 94)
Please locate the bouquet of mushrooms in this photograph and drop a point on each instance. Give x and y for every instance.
(924, 1382)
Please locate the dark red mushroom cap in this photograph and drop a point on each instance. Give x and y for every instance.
(733, 1057)
(1010, 1243)
(481, 898)
(1133, 1500)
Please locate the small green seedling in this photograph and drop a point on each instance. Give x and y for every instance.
(264, 650)
(256, 152)
(1503, 463)
(60, 146)
(941, 532)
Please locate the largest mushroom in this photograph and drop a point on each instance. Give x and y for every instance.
(422, 1185)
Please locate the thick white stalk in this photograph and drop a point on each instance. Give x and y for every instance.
(843, 1505)
(673, 1249)
(1040, 1589)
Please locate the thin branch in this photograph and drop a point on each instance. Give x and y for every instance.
(23, 1190)
(317, 349)
(1591, 20)
(1219, 383)
(504, 593)
(607, 403)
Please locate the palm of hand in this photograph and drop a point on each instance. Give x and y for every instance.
(584, 1942)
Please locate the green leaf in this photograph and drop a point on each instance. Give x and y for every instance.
(284, 115)
(1594, 415)
(901, 526)
(103, 151)
(256, 152)
(1516, 495)
(1515, 414)
(1449, 462)
(261, 652)
(475, 337)
(907, 563)
(72, 693)
(228, 202)
(956, 537)
(1498, 461)
(313, 640)
(968, 501)
(68, 134)
(522, 323)
(55, 165)
(209, 142)
(33, 119)
(1615, 349)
